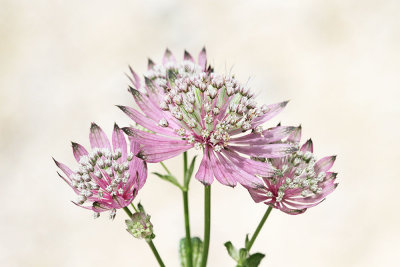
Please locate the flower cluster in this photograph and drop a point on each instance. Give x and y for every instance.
(186, 105)
(299, 182)
(106, 178)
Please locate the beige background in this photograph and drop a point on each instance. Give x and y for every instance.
(62, 66)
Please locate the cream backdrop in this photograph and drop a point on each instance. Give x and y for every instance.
(62, 66)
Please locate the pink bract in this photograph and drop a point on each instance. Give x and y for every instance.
(300, 182)
(185, 105)
(108, 177)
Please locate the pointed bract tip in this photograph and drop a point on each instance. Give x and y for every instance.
(279, 124)
(284, 103)
(167, 51)
(141, 155)
(299, 127)
(127, 131)
(116, 127)
(74, 144)
(203, 49)
(93, 126)
(123, 108)
(56, 162)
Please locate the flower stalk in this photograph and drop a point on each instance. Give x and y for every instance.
(148, 241)
(185, 190)
(258, 229)
(207, 220)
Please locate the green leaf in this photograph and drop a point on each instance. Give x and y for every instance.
(140, 207)
(243, 255)
(168, 178)
(197, 250)
(246, 241)
(232, 251)
(188, 174)
(254, 259)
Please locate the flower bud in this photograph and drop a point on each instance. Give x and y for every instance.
(140, 226)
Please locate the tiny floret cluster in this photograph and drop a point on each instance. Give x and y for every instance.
(186, 105)
(106, 178)
(299, 182)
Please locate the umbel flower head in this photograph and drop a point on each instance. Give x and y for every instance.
(186, 105)
(299, 182)
(107, 178)
(140, 226)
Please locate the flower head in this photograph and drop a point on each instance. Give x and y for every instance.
(107, 178)
(186, 105)
(140, 226)
(299, 182)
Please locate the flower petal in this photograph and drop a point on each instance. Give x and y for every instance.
(203, 59)
(78, 151)
(168, 57)
(308, 146)
(204, 174)
(266, 151)
(98, 138)
(119, 141)
(268, 136)
(220, 172)
(273, 110)
(157, 154)
(324, 164)
(187, 56)
(146, 122)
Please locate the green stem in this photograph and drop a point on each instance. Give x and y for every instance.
(133, 206)
(155, 252)
(126, 209)
(187, 228)
(260, 225)
(186, 213)
(165, 168)
(184, 163)
(149, 241)
(207, 220)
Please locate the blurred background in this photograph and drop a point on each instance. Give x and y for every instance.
(62, 66)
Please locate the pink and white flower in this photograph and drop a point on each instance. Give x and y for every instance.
(107, 178)
(186, 105)
(300, 182)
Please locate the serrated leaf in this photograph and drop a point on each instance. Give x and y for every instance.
(254, 259)
(168, 178)
(232, 251)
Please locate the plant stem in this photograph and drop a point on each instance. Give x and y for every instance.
(133, 206)
(155, 252)
(149, 241)
(257, 231)
(126, 209)
(186, 213)
(165, 168)
(207, 220)
(184, 163)
(187, 228)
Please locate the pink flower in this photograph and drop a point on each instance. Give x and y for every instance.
(186, 105)
(300, 182)
(107, 178)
